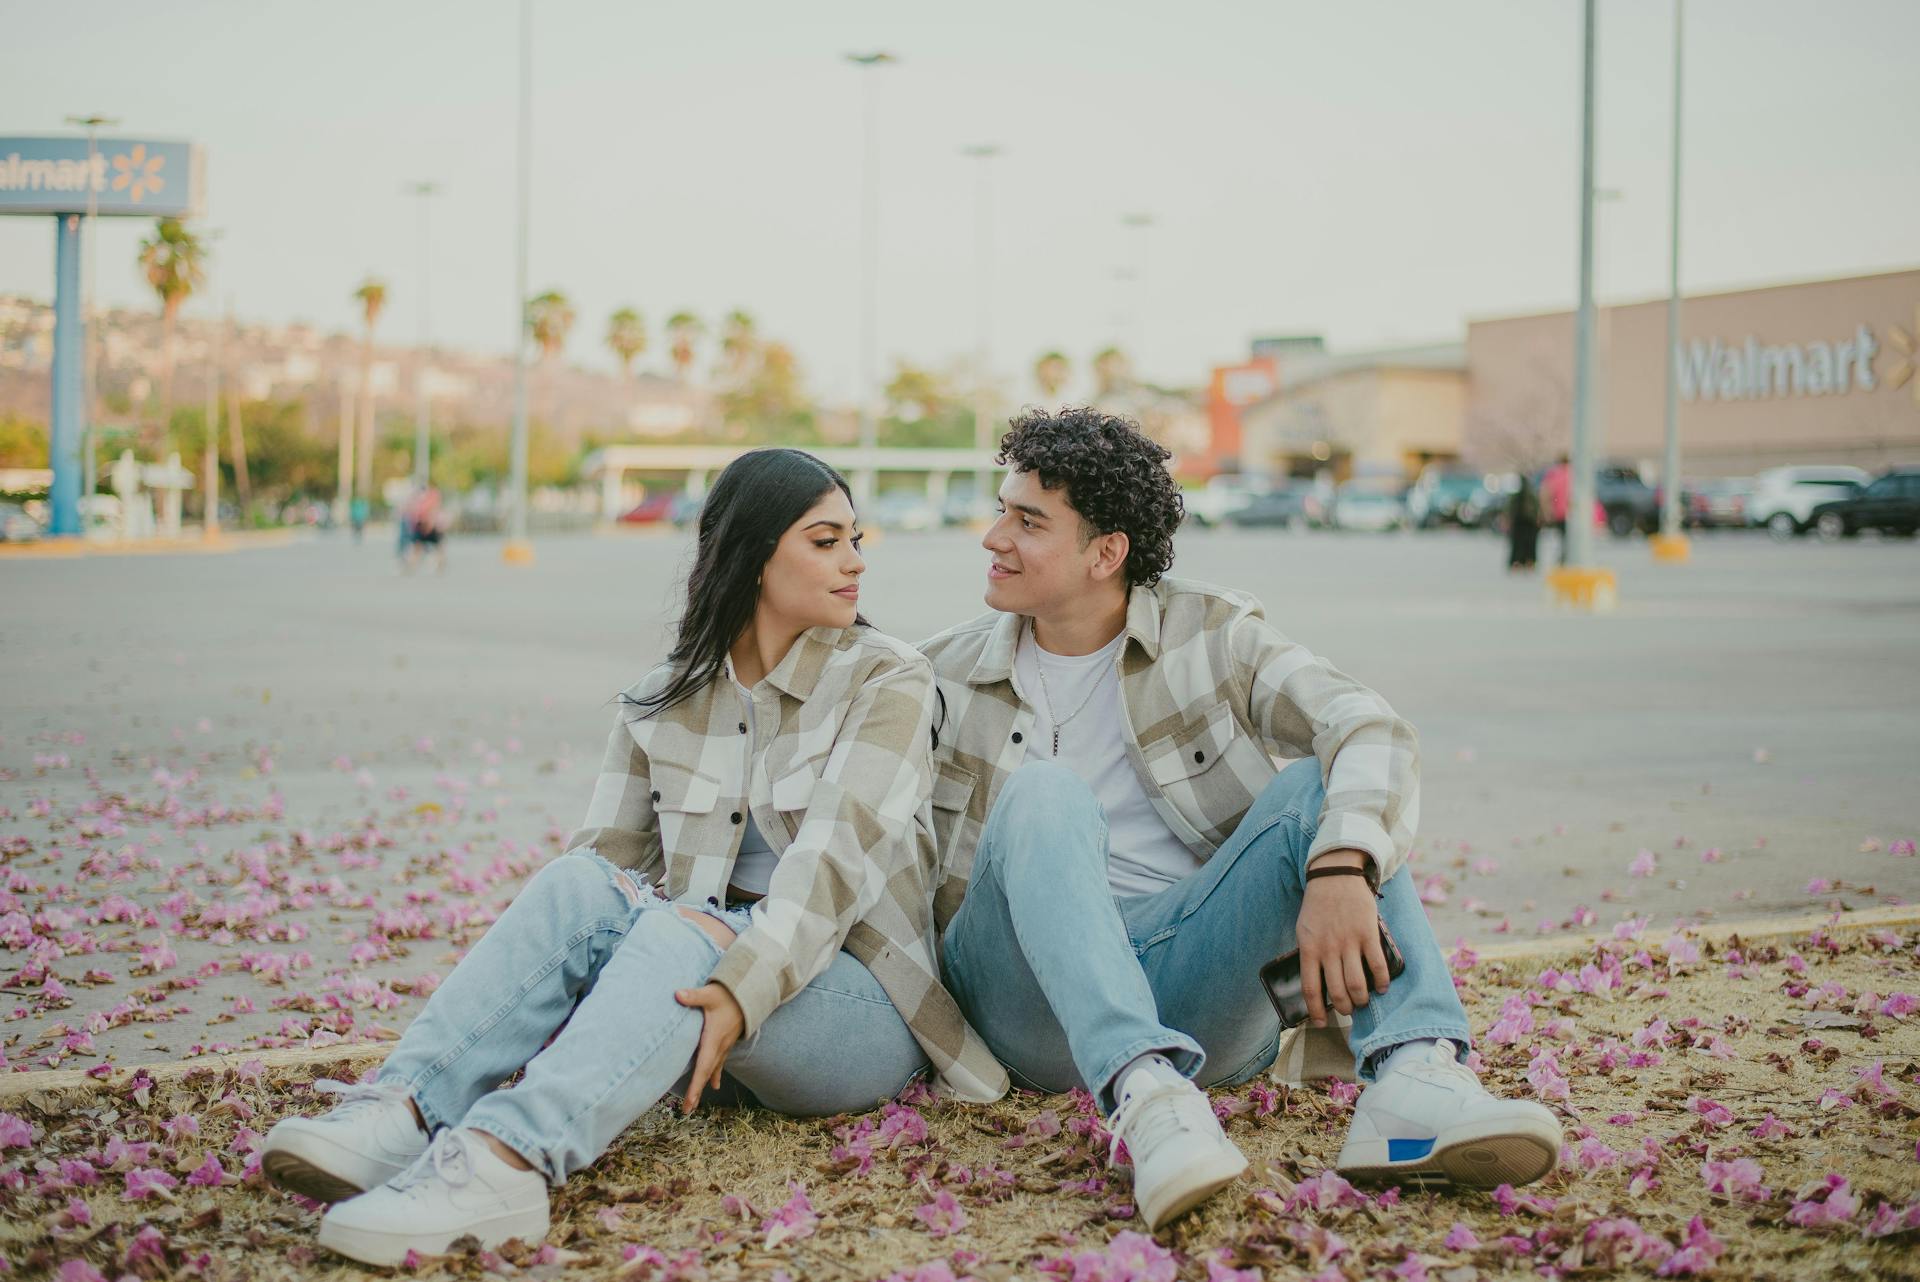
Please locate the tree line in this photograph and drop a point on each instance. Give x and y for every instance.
(275, 449)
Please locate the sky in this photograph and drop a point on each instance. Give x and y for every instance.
(1375, 172)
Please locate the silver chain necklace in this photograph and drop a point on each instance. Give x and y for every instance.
(1040, 666)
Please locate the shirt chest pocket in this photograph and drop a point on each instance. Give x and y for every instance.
(1196, 749)
(952, 794)
(682, 799)
(793, 791)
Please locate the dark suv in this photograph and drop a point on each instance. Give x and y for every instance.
(1891, 504)
(1629, 502)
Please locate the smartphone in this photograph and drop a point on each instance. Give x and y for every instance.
(1281, 978)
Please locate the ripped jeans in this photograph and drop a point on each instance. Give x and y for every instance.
(584, 944)
(1068, 984)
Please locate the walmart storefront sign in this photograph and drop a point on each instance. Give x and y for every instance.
(1711, 370)
(139, 177)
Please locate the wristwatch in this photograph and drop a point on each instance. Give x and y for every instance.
(1367, 870)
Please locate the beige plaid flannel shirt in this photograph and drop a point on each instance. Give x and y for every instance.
(1212, 694)
(837, 778)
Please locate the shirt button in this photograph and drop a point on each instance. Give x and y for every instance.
(1199, 756)
(656, 794)
(1016, 736)
(736, 816)
(743, 727)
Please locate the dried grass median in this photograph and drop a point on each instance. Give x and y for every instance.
(1733, 1109)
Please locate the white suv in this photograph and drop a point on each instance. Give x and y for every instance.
(1784, 497)
(1222, 496)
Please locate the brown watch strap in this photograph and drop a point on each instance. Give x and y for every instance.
(1345, 871)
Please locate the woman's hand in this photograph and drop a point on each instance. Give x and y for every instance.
(1339, 926)
(723, 1019)
(719, 1030)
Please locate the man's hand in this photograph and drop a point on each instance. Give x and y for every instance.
(1339, 926)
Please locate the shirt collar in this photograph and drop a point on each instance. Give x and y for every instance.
(799, 671)
(996, 657)
(1143, 620)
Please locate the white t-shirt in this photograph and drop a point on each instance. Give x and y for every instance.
(1143, 855)
(753, 866)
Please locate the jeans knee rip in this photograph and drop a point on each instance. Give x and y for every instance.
(635, 892)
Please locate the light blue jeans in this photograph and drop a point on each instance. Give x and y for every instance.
(584, 945)
(1068, 983)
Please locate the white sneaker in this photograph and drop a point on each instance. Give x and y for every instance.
(364, 1141)
(1180, 1155)
(1427, 1120)
(456, 1188)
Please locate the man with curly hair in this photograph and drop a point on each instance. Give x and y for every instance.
(1121, 854)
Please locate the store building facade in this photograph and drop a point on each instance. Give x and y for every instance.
(1818, 372)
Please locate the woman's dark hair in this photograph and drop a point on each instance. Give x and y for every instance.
(756, 499)
(1115, 477)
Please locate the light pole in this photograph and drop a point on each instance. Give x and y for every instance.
(863, 478)
(88, 480)
(424, 192)
(1603, 261)
(1576, 581)
(1671, 545)
(1135, 268)
(1580, 505)
(210, 454)
(983, 154)
(517, 550)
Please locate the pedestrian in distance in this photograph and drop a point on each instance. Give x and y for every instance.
(1523, 527)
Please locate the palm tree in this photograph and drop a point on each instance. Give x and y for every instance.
(739, 340)
(1051, 371)
(683, 330)
(174, 261)
(550, 318)
(372, 297)
(627, 336)
(1111, 369)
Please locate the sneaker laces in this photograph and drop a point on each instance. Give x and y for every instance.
(1443, 1062)
(356, 1095)
(447, 1159)
(1154, 1125)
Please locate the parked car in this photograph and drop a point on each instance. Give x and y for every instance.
(1359, 506)
(1718, 502)
(963, 507)
(1629, 502)
(652, 510)
(1437, 496)
(100, 514)
(686, 509)
(1890, 504)
(1222, 496)
(1784, 497)
(904, 510)
(1486, 507)
(16, 526)
(1285, 507)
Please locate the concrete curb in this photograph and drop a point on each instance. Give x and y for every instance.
(1755, 928)
(228, 541)
(15, 1087)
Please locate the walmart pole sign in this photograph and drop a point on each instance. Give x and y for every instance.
(137, 177)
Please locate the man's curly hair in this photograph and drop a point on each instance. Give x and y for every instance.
(1115, 477)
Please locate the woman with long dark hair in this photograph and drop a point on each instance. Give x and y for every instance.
(747, 908)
